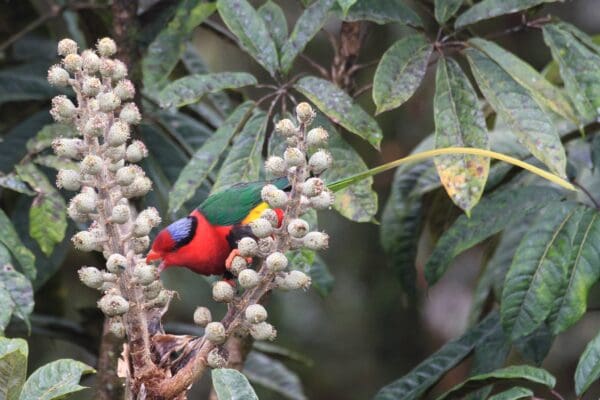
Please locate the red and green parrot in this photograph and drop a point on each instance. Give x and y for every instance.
(204, 240)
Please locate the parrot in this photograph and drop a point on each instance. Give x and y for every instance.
(204, 240)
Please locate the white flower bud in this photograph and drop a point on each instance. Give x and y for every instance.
(215, 332)
(116, 263)
(317, 137)
(75, 215)
(238, 264)
(222, 292)
(141, 226)
(316, 241)
(139, 187)
(118, 134)
(73, 62)
(152, 215)
(144, 274)
(162, 299)
(91, 61)
(255, 313)
(323, 201)
(140, 244)
(286, 128)
(292, 141)
(68, 179)
(320, 161)
(274, 197)
(95, 125)
(265, 245)
(202, 316)
(247, 247)
(113, 305)
(62, 109)
(298, 228)
(126, 175)
(106, 68)
(276, 262)
(116, 153)
(263, 331)
(296, 280)
(130, 114)
(136, 151)
(117, 328)
(115, 166)
(153, 290)
(91, 165)
(215, 359)
(120, 214)
(271, 216)
(119, 71)
(58, 76)
(125, 90)
(248, 278)
(261, 227)
(294, 157)
(305, 113)
(91, 86)
(91, 277)
(106, 47)
(66, 47)
(108, 101)
(85, 241)
(69, 148)
(276, 166)
(84, 203)
(313, 187)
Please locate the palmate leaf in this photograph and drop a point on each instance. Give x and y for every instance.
(588, 367)
(247, 25)
(459, 122)
(493, 8)
(515, 105)
(275, 21)
(55, 380)
(428, 373)
(17, 292)
(10, 239)
(400, 71)
(206, 157)
(445, 9)
(340, 108)
(274, 375)
(381, 12)
(230, 384)
(13, 367)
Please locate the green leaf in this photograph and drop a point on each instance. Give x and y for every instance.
(43, 139)
(400, 71)
(282, 352)
(206, 157)
(492, 215)
(487, 9)
(17, 85)
(526, 372)
(17, 137)
(17, 289)
(535, 347)
(245, 23)
(244, 161)
(514, 393)
(48, 214)
(230, 384)
(13, 367)
(515, 105)
(10, 239)
(595, 152)
(381, 12)
(578, 69)
(308, 25)
(322, 280)
(414, 384)
(445, 9)
(275, 21)
(346, 4)
(55, 380)
(459, 122)
(340, 108)
(12, 182)
(192, 88)
(540, 267)
(588, 367)
(546, 94)
(166, 50)
(273, 375)
(55, 162)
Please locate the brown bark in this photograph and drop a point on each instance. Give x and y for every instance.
(108, 385)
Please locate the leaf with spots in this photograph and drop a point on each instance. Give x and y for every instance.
(43, 139)
(445, 9)
(400, 71)
(230, 384)
(55, 380)
(274, 375)
(588, 367)
(55, 162)
(487, 9)
(14, 183)
(381, 12)
(13, 367)
(10, 239)
(275, 22)
(514, 393)
(340, 108)
(459, 122)
(17, 292)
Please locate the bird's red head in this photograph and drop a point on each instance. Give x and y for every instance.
(163, 244)
(170, 239)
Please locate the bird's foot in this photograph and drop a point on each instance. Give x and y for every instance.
(234, 253)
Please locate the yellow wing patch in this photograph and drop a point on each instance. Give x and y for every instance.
(255, 213)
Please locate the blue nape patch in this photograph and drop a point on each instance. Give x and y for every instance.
(182, 230)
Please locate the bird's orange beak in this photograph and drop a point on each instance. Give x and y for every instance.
(152, 256)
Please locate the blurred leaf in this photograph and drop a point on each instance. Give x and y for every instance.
(273, 375)
(55, 162)
(546, 94)
(578, 69)
(16, 288)
(535, 347)
(492, 215)
(9, 238)
(43, 139)
(595, 149)
(526, 372)
(514, 393)
(55, 380)
(15, 85)
(340, 108)
(308, 25)
(12, 182)
(48, 214)
(539, 272)
(322, 280)
(414, 384)
(487, 9)
(205, 159)
(13, 367)
(381, 12)
(187, 132)
(519, 110)
(275, 21)
(459, 122)
(279, 351)
(16, 138)
(245, 23)
(400, 71)
(346, 4)
(165, 51)
(445, 9)
(244, 161)
(191, 88)
(588, 367)
(230, 384)
(71, 19)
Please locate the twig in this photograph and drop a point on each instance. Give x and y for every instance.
(362, 90)
(324, 73)
(587, 193)
(53, 12)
